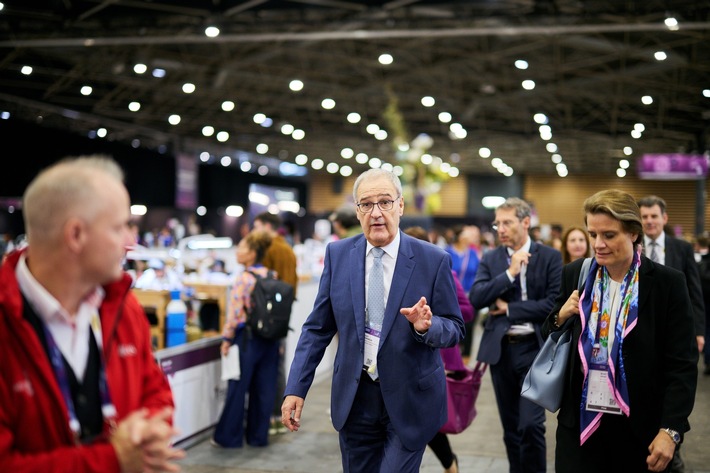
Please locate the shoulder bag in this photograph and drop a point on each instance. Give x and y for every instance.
(544, 382)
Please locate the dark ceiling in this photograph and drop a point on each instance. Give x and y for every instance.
(592, 62)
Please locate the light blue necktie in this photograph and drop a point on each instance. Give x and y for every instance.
(376, 292)
(654, 253)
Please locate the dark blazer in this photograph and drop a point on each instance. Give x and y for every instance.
(680, 256)
(660, 354)
(411, 371)
(543, 285)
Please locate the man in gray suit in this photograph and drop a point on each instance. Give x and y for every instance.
(677, 254)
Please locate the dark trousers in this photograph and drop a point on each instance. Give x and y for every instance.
(523, 421)
(368, 443)
(442, 449)
(258, 360)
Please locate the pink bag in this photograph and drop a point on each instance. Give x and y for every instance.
(461, 394)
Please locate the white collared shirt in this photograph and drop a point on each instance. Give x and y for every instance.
(525, 328)
(389, 260)
(660, 247)
(71, 334)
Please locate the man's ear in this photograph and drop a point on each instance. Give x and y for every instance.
(74, 233)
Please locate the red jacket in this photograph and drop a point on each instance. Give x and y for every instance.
(34, 424)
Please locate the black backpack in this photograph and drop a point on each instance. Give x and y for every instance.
(271, 302)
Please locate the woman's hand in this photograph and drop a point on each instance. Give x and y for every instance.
(224, 348)
(569, 309)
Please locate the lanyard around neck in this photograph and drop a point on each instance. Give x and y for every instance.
(108, 410)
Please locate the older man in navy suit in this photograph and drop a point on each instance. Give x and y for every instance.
(519, 282)
(389, 390)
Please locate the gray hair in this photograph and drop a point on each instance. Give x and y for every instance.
(373, 174)
(522, 208)
(65, 188)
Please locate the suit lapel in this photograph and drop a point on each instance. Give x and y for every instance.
(645, 282)
(402, 273)
(357, 286)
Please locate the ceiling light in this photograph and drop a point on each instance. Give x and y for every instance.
(628, 150)
(204, 156)
(361, 158)
(647, 100)
(398, 170)
(444, 117)
(624, 164)
(287, 128)
(428, 101)
(354, 117)
(556, 158)
(174, 119)
(484, 152)
(561, 167)
(496, 162)
(245, 166)
(227, 105)
(426, 159)
(551, 147)
(134, 106)
(301, 159)
(225, 161)
(140, 68)
(453, 172)
(295, 85)
(346, 171)
(222, 136)
(207, 130)
(660, 56)
(545, 130)
(671, 23)
(234, 211)
(86, 90)
(521, 64)
(211, 31)
(263, 170)
(259, 118)
(102, 132)
(387, 167)
(528, 84)
(635, 134)
(332, 168)
(262, 148)
(267, 122)
(375, 163)
(317, 163)
(138, 209)
(298, 134)
(347, 153)
(381, 135)
(188, 88)
(562, 172)
(385, 59)
(540, 119)
(328, 104)
(372, 128)
(157, 72)
(492, 201)
(640, 127)
(201, 210)
(706, 93)
(454, 127)
(621, 172)
(460, 134)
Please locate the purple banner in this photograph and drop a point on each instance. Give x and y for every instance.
(185, 182)
(672, 166)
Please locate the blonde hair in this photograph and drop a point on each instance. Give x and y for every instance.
(620, 206)
(66, 188)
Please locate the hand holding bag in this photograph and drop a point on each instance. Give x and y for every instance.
(461, 395)
(544, 383)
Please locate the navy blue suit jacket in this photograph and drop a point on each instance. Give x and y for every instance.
(412, 377)
(680, 256)
(542, 282)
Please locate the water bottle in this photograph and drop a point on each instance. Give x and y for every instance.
(175, 320)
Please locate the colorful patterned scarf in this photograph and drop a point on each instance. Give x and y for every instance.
(596, 296)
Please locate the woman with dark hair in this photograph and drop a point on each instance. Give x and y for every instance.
(632, 374)
(258, 357)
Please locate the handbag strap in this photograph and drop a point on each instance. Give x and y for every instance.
(583, 274)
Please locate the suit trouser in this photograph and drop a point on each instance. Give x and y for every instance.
(368, 443)
(523, 421)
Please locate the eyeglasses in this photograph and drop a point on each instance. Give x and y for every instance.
(383, 205)
(504, 224)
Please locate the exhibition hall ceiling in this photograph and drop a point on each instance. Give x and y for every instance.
(606, 80)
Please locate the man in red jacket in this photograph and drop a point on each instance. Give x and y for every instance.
(79, 388)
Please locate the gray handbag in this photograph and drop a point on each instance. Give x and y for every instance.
(544, 382)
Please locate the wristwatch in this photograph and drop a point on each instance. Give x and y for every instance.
(674, 435)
